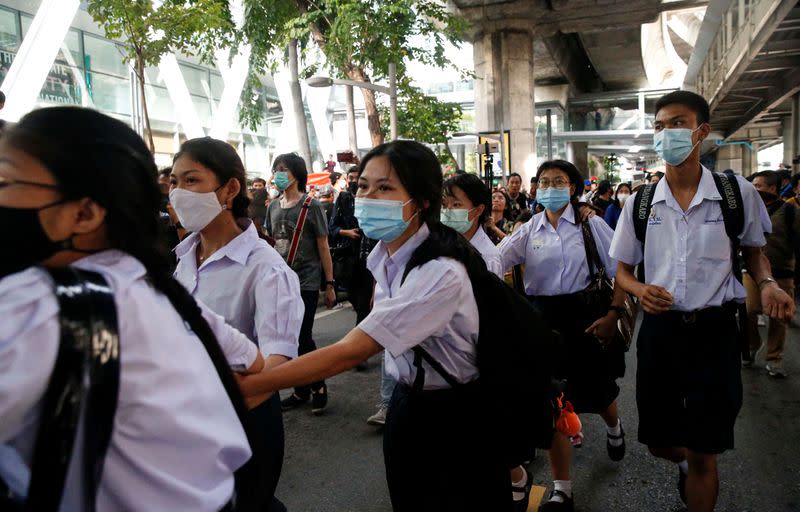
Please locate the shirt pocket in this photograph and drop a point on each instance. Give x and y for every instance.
(714, 242)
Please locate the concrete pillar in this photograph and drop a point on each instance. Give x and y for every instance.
(504, 91)
(795, 126)
(788, 140)
(749, 160)
(730, 157)
(578, 154)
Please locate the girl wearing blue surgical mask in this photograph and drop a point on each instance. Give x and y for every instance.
(438, 447)
(465, 207)
(557, 275)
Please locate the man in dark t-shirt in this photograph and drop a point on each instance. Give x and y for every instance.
(519, 201)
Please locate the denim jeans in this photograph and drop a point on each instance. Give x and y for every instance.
(387, 384)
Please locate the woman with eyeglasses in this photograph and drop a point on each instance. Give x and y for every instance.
(557, 275)
(86, 199)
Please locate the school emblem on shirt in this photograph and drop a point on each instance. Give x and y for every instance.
(654, 219)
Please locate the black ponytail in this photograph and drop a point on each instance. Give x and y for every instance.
(92, 155)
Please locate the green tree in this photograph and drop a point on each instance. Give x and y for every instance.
(611, 167)
(191, 27)
(359, 39)
(424, 118)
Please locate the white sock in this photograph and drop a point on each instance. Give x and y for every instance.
(615, 431)
(684, 467)
(564, 486)
(520, 483)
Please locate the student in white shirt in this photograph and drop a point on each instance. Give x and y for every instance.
(466, 206)
(557, 273)
(688, 379)
(88, 198)
(439, 449)
(225, 264)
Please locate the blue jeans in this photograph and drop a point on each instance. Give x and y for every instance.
(387, 384)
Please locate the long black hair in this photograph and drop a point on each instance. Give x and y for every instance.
(474, 189)
(94, 156)
(419, 172)
(221, 159)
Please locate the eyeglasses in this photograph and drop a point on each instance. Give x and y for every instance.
(7, 182)
(555, 182)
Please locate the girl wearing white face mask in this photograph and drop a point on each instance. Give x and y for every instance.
(614, 210)
(226, 265)
(465, 207)
(438, 448)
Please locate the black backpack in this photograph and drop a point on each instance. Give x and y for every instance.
(515, 350)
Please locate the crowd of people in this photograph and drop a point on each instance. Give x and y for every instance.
(211, 284)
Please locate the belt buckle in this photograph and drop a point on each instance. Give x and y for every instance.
(690, 317)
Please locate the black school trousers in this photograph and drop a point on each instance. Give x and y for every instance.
(441, 454)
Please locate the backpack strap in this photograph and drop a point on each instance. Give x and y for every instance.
(642, 204)
(420, 354)
(86, 371)
(298, 230)
(596, 267)
(732, 205)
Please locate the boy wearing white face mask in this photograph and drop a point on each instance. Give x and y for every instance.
(689, 388)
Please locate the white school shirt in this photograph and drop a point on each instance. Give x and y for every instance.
(689, 253)
(555, 259)
(249, 284)
(491, 255)
(176, 439)
(435, 308)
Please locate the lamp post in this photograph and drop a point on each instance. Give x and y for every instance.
(324, 81)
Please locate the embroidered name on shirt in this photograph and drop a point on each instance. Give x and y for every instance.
(537, 244)
(714, 221)
(653, 220)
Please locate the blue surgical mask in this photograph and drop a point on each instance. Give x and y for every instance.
(381, 219)
(674, 145)
(281, 180)
(456, 219)
(553, 198)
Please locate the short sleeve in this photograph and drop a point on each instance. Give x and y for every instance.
(279, 311)
(512, 248)
(422, 307)
(239, 351)
(317, 219)
(29, 339)
(625, 247)
(603, 235)
(756, 217)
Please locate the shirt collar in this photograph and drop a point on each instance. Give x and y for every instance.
(568, 215)
(380, 255)
(237, 249)
(122, 268)
(706, 189)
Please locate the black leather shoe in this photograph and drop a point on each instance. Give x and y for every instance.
(566, 504)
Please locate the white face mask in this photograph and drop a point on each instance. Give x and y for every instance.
(622, 198)
(195, 210)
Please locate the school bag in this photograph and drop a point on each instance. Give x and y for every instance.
(733, 216)
(515, 351)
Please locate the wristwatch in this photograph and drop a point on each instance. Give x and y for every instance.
(330, 283)
(764, 281)
(619, 309)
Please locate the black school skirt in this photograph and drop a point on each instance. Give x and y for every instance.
(590, 369)
(441, 453)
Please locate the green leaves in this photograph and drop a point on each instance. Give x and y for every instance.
(421, 117)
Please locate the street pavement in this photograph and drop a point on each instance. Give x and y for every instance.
(334, 462)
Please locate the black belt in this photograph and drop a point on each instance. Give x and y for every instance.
(692, 317)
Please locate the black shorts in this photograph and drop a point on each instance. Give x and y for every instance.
(688, 380)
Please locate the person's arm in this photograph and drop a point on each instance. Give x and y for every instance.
(512, 249)
(241, 353)
(315, 366)
(603, 328)
(775, 302)
(327, 268)
(654, 299)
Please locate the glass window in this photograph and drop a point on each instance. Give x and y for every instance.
(196, 80)
(217, 85)
(9, 38)
(62, 85)
(105, 56)
(110, 93)
(159, 104)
